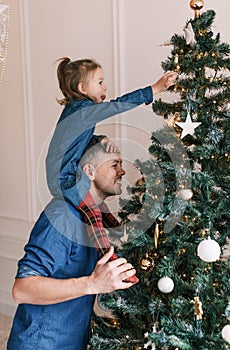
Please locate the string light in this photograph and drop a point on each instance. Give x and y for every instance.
(4, 33)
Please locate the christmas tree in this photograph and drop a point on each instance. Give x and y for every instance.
(178, 219)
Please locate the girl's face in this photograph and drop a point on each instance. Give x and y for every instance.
(95, 87)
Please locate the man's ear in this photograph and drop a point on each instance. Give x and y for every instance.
(89, 170)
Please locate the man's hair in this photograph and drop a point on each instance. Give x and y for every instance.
(90, 154)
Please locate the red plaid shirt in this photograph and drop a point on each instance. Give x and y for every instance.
(97, 218)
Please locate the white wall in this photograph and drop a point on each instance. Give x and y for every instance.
(124, 36)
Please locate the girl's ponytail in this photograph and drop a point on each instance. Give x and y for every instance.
(70, 74)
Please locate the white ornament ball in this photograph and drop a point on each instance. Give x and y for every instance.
(208, 250)
(165, 284)
(226, 333)
(185, 194)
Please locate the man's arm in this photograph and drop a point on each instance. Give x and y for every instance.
(106, 277)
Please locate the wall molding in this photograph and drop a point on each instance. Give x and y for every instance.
(119, 46)
(9, 268)
(11, 249)
(12, 229)
(28, 108)
(118, 13)
(8, 309)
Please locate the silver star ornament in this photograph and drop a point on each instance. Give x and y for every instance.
(188, 126)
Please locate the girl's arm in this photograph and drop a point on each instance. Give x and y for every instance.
(72, 135)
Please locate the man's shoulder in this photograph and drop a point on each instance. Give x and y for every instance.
(61, 217)
(59, 207)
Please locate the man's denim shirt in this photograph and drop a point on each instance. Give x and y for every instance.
(57, 248)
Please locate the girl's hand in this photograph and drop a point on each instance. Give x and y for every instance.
(164, 82)
(110, 147)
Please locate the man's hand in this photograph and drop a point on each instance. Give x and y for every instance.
(110, 275)
(164, 82)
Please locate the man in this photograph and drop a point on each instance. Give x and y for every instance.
(60, 273)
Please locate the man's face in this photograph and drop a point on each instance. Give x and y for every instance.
(108, 175)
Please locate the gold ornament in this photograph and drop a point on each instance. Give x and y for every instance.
(156, 235)
(175, 86)
(197, 5)
(140, 182)
(199, 55)
(205, 232)
(186, 218)
(147, 263)
(216, 284)
(170, 121)
(202, 32)
(214, 54)
(176, 58)
(139, 188)
(112, 322)
(197, 308)
(177, 69)
(182, 251)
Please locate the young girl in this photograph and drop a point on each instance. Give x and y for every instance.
(84, 90)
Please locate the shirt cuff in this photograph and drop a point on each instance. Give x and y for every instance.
(26, 271)
(148, 94)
